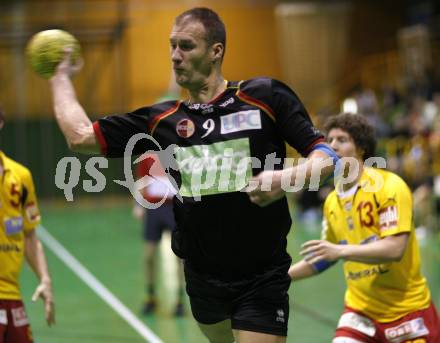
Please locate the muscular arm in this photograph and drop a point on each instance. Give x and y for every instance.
(36, 258)
(71, 117)
(317, 167)
(301, 270)
(388, 249)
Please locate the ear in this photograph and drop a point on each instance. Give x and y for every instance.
(217, 51)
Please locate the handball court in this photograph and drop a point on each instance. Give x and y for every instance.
(95, 257)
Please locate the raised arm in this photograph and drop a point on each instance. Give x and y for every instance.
(70, 115)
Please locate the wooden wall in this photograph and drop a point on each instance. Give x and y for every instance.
(125, 48)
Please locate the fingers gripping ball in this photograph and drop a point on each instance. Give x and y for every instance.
(47, 48)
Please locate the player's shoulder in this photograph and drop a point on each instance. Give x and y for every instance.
(331, 200)
(159, 108)
(16, 167)
(390, 178)
(259, 84)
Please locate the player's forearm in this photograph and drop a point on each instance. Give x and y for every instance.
(313, 171)
(36, 258)
(301, 270)
(381, 251)
(71, 117)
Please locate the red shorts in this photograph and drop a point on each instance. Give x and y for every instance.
(416, 327)
(14, 324)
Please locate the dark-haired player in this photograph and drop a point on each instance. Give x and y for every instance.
(228, 137)
(368, 225)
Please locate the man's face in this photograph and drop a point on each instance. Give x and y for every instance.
(343, 144)
(191, 56)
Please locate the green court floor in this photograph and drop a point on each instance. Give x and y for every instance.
(107, 241)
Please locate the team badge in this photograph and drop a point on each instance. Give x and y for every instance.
(185, 128)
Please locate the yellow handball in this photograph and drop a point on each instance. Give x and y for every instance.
(45, 50)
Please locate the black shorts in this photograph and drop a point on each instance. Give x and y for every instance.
(157, 220)
(258, 304)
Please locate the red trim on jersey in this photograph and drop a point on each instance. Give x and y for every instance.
(162, 115)
(311, 146)
(220, 95)
(101, 139)
(250, 100)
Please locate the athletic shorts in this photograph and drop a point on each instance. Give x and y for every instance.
(14, 324)
(421, 326)
(157, 220)
(258, 304)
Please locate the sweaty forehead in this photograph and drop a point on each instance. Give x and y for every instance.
(188, 29)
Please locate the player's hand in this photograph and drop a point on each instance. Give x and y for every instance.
(44, 291)
(318, 250)
(138, 211)
(65, 67)
(265, 188)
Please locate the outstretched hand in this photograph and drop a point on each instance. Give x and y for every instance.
(317, 250)
(44, 291)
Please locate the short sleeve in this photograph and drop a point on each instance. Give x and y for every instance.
(395, 207)
(327, 232)
(114, 132)
(292, 119)
(31, 213)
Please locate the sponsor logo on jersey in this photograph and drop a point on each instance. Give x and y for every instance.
(13, 225)
(216, 168)
(358, 323)
(240, 121)
(32, 212)
(205, 108)
(388, 218)
(377, 270)
(406, 331)
(9, 248)
(185, 128)
(227, 102)
(19, 317)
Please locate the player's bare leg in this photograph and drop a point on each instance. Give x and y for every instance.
(218, 333)
(242, 336)
(150, 252)
(180, 309)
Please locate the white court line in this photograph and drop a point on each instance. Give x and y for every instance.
(96, 285)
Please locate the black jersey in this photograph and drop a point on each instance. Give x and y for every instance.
(219, 147)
